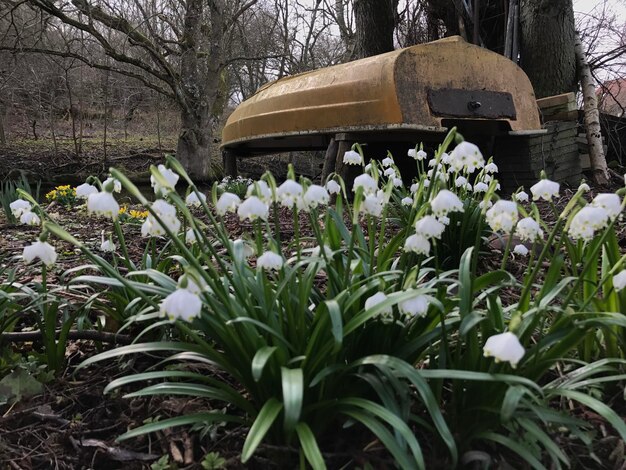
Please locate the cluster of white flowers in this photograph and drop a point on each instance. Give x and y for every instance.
(167, 213)
(466, 157)
(504, 347)
(502, 216)
(418, 155)
(22, 210)
(604, 208)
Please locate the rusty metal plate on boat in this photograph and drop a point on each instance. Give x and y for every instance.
(471, 103)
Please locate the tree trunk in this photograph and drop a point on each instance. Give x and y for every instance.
(547, 45)
(3, 137)
(592, 117)
(195, 145)
(375, 22)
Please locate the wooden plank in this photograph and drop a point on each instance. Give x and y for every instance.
(556, 100)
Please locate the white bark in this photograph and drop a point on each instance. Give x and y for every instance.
(592, 117)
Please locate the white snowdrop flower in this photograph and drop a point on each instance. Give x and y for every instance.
(528, 229)
(426, 183)
(42, 250)
(366, 182)
(504, 347)
(372, 205)
(107, 245)
(378, 298)
(261, 190)
(414, 187)
(480, 187)
(333, 187)
(227, 202)
(103, 203)
(19, 206)
(587, 221)
(387, 162)
(367, 168)
(190, 236)
(491, 168)
(429, 227)
(485, 205)
(417, 244)
(407, 201)
(248, 250)
(84, 190)
(190, 284)
(167, 213)
(289, 192)
(432, 162)
(30, 218)
(390, 172)
(315, 195)
(317, 252)
(445, 158)
(181, 305)
(619, 280)
(545, 189)
(352, 158)
(584, 187)
(170, 177)
(460, 181)
(520, 250)
(192, 199)
(253, 208)
(417, 155)
(444, 220)
(502, 216)
(445, 202)
(468, 187)
(487, 178)
(416, 306)
(270, 261)
(397, 182)
(610, 202)
(522, 196)
(117, 185)
(466, 156)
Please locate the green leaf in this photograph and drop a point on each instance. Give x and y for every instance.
(310, 447)
(516, 447)
(260, 360)
(293, 395)
(17, 385)
(179, 421)
(260, 427)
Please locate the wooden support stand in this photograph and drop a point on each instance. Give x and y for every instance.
(229, 160)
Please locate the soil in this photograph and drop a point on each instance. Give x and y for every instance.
(73, 425)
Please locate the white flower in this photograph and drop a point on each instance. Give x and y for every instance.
(228, 202)
(445, 202)
(610, 202)
(181, 304)
(417, 244)
(317, 252)
(390, 172)
(429, 227)
(584, 187)
(528, 229)
(415, 306)
(467, 157)
(491, 168)
(315, 195)
(619, 280)
(117, 186)
(485, 204)
(247, 250)
(426, 183)
(190, 236)
(30, 218)
(261, 190)
(414, 187)
(586, 221)
(103, 203)
(366, 182)
(352, 158)
(520, 250)
(480, 187)
(504, 347)
(270, 261)
(19, 206)
(397, 182)
(460, 181)
(42, 250)
(372, 205)
(367, 168)
(167, 213)
(522, 196)
(253, 208)
(407, 201)
(376, 299)
(419, 155)
(191, 285)
(170, 177)
(387, 162)
(502, 216)
(545, 189)
(432, 162)
(84, 190)
(445, 158)
(193, 200)
(289, 192)
(333, 187)
(107, 245)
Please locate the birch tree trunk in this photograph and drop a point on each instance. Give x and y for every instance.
(592, 117)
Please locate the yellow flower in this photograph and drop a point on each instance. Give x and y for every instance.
(123, 209)
(138, 214)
